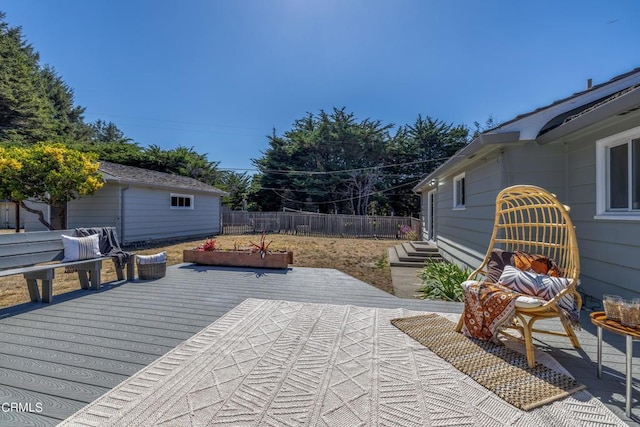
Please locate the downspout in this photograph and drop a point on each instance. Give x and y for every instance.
(122, 235)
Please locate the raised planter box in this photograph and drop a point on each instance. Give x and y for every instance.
(238, 258)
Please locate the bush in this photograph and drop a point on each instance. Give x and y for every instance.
(441, 280)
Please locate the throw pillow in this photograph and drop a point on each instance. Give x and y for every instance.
(152, 259)
(497, 260)
(538, 263)
(79, 248)
(539, 285)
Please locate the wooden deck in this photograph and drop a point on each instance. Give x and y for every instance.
(64, 355)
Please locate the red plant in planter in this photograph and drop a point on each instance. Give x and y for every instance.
(209, 245)
(263, 247)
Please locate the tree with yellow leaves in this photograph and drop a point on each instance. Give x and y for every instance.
(47, 173)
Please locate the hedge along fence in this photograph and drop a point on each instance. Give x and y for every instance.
(321, 225)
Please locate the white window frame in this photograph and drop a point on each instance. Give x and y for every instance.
(183, 196)
(602, 177)
(459, 204)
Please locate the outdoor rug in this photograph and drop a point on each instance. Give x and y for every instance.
(279, 363)
(496, 367)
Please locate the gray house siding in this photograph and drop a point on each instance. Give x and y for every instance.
(531, 163)
(463, 234)
(99, 210)
(609, 249)
(149, 216)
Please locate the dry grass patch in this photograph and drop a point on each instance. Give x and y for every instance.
(364, 259)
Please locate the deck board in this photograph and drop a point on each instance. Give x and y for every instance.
(68, 353)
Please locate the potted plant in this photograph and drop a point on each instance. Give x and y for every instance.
(258, 255)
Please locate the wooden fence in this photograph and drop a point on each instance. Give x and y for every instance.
(321, 225)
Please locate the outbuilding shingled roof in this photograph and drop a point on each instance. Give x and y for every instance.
(134, 175)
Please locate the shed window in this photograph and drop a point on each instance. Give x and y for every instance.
(618, 174)
(459, 191)
(181, 201)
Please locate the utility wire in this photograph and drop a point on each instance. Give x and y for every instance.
(302, 172)
(346, 199)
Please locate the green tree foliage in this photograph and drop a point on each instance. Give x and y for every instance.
(67, 118)
(24, 109)
(331, 162)
(489, 124)
(181, 161)
(328, 163)
(238, 185)
(110, 144)
(107, 133)
(417, 150)
(47, 173)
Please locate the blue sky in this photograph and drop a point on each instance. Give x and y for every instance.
(220, 75)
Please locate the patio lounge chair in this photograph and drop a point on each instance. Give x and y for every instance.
(532, 220)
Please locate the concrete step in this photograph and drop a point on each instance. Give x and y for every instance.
(411, 251)
(403, 256)
(423, 247)
(413, 254)
(394, 261)
(406, 253)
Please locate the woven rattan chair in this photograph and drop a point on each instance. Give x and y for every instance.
(530, 219)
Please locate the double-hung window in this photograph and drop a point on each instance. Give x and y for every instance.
(459, 191)
(618, 175)
(181, 201)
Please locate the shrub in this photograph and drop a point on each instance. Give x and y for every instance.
(407, 232)
(441, 280)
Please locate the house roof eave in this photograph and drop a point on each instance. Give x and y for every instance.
(619, 106)
(168, 187)
(149, 178)
(579, 98)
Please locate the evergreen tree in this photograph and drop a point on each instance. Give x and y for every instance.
(24, 108)
(67, 118)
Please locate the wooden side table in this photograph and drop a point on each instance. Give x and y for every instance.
(599, 319)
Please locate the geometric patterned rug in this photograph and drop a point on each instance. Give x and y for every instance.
(496, 367)
(281, 363)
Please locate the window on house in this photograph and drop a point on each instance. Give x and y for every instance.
(459, 192)
(181, 201)
(618, 174)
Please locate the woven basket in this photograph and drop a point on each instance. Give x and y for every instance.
(152, 271)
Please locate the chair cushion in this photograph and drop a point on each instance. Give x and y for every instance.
(79, 248)
(539, 285)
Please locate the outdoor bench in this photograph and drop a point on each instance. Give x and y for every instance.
(36, 255)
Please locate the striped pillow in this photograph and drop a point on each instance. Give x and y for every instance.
(539, 285)
(79, 248)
